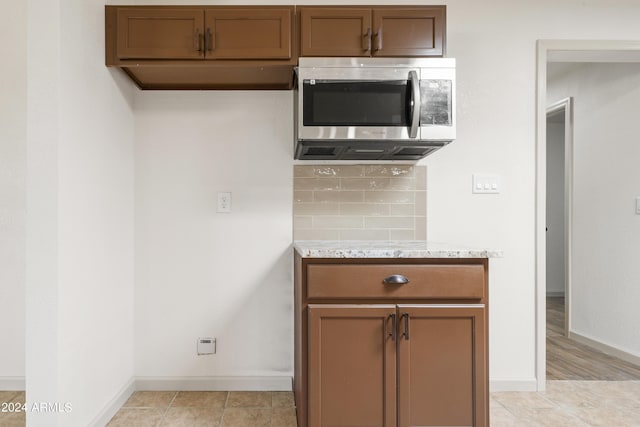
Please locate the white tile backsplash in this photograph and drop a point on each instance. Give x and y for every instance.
(359, 202)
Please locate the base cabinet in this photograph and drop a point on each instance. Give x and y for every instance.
(441, 361)
(352, 366)
(369, 354)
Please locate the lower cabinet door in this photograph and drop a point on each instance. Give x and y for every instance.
(442, 366)
(352, 365)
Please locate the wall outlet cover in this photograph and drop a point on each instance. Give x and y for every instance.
(224, 202)
(206, 345)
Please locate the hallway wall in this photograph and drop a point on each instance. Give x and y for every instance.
(606, 230)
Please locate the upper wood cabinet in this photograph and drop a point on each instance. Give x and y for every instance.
(156, 33)
(209, 33)
(212, 47)
(257, 47)
(248, 33)
(380, 31)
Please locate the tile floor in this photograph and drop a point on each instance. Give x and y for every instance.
(563, 404)
(570, 404)
(207, 408)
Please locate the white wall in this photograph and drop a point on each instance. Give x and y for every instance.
(42, 284)
(200, 273)
(80, 226)
(555, 207)
(79, 250)
(606, 230)
(13, 114)
(495, 45)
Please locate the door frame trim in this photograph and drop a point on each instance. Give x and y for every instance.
(559, 51)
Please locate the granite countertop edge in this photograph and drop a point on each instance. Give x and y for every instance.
(389, 249)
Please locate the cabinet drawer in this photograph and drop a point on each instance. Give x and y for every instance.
(439, 281)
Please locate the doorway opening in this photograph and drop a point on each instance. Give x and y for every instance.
(553, 51)
(559, 147)
(559, 173)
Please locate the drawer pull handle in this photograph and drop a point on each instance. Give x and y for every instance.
(396, 279)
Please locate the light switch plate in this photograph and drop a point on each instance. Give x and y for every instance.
(483, 183)
(637, 205)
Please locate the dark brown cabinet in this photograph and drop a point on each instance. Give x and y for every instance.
(248, 33)
(441, 360)
(209, 33)
(257, 47)
(352, 366)
(154, 33)
(371, 352)
(189, 47)
(381, 31)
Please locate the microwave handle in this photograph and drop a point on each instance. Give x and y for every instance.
(415, 100)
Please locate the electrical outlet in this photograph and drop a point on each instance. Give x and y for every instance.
(206, 346)
(224, 202)
(637, 205)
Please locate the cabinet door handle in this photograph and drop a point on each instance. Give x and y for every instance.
(367, 39)
(197, 43)
(416, 104)
(378, 36)
(395, 279)
(208, 41)
(394, 326)
(405, 316)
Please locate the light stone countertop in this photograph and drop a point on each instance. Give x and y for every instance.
(388, 249)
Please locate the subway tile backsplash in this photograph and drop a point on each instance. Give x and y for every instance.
(360, 202)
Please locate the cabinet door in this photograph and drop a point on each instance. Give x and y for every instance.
(352, 366)
(252, 33)
(409, 32)
(442, 366)
(328, 31)
(160, 33)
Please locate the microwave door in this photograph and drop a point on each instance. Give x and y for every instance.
(371, 107)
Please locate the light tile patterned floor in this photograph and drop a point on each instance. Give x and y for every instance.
(207, 408)
(564, 404)
(569, 404)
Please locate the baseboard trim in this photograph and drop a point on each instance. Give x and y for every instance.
(513, 385)
(110, 409)
(607, 349)
(215, 383)
(12, 383)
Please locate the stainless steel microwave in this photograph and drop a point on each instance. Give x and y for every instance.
(374, 108)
